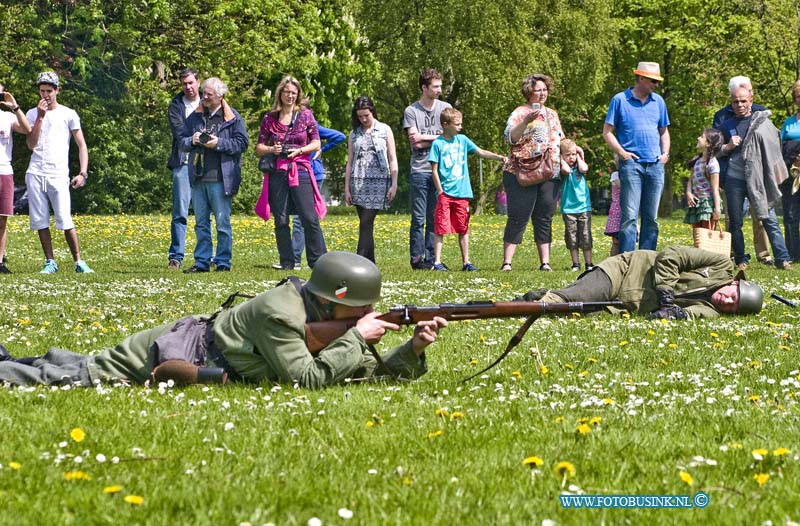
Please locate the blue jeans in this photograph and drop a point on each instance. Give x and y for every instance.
(210, 198)
(422, 196)
(791, 219)
(640, 192)
(299, 235)
(735, 192)
(181, 197)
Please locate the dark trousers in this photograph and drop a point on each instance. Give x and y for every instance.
(366, 238)
(594, 285)
(285, 201)
(536, 203)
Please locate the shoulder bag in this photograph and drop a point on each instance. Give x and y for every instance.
(533, 167)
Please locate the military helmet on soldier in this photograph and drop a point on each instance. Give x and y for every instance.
(346, 278)
(751, 297)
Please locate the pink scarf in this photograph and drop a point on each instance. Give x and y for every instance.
(290, 166)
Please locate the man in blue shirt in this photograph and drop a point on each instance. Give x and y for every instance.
(636, 130)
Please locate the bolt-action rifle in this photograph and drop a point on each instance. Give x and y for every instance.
(320, 334)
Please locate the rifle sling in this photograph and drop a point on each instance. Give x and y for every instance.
(513, 342)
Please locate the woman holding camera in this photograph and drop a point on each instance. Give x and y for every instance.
(534, 129)
(290, 133)
(370, 179)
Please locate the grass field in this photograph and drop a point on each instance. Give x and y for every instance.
(601, 405)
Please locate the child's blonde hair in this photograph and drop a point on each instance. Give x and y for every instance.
(567, 145)
(449, 115)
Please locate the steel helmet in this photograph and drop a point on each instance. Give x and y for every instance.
(346, 278)
(751, 297)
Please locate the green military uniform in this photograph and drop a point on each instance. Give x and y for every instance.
(692, 274)
(261, 339)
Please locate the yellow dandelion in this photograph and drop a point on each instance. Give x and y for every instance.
(673, 345)
(608, 401)
(134, 499)
(623, 343)
(77, 434)
(444, 413)
(761, 478)
(583, 420)
(755, 364)
(533, 462)
(592, 360)
(781, 451)
(583, 374)
(738, 334)
(754, 398)
(568, 366)
(564, 469)
(14, 465)
(434, 434)
(687, 478)
(759, 453)
(370, 423)
(77, 475)
(473, 362)
(785, 348)
(714, 335)
(651, 332)
(559, 419)
(595, 420)
(110, 490)
(544, 370)
(456, 415)
(583, 429)
(407, 480)
(516, 374)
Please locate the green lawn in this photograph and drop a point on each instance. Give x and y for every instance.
(636, 406)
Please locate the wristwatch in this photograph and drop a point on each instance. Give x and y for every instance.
(85, 175)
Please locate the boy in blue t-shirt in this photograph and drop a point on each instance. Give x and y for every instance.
(576, 205)
(448, 158)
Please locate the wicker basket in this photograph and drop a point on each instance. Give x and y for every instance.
(713, 240)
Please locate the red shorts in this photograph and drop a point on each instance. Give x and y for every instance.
(6, 195)
(451, 215)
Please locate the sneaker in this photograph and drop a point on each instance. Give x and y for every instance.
(589, 267)
(783, 265)
(194, 270)
(421, 264)
(174, 264)
(82, 268)
(469, 267)
(3, 268)
(440, 267)
(297, 266)
(222, 269)
(545, 267)
(277, 266)
(50, 267)
(766, 260)
(576, 267)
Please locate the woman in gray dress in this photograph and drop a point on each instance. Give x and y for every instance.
(370, 178)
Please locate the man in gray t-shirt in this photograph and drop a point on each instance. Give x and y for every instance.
(421, 121)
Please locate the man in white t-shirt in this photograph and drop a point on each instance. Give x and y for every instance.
(48, 172)
(11, 120)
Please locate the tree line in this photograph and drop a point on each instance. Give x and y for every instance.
(119, 62)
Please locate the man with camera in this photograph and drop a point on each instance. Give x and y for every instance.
(47, 179)
(11, 120)
(215, 137)
(182, 105)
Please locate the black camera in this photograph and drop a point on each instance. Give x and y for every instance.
(284, 151)
(204, 137)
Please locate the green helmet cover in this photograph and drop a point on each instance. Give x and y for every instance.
(346, 278)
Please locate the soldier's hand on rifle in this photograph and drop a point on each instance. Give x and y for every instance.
(425, 333)
(373, 329)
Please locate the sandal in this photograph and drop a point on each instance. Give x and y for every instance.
(545, 267)
(506, 266)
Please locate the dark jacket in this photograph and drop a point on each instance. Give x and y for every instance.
(720, 118)
(176, 118)
(233, 141)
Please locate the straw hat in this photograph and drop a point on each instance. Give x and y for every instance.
(651, 70)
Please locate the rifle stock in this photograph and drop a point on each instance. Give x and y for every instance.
(320, 334)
